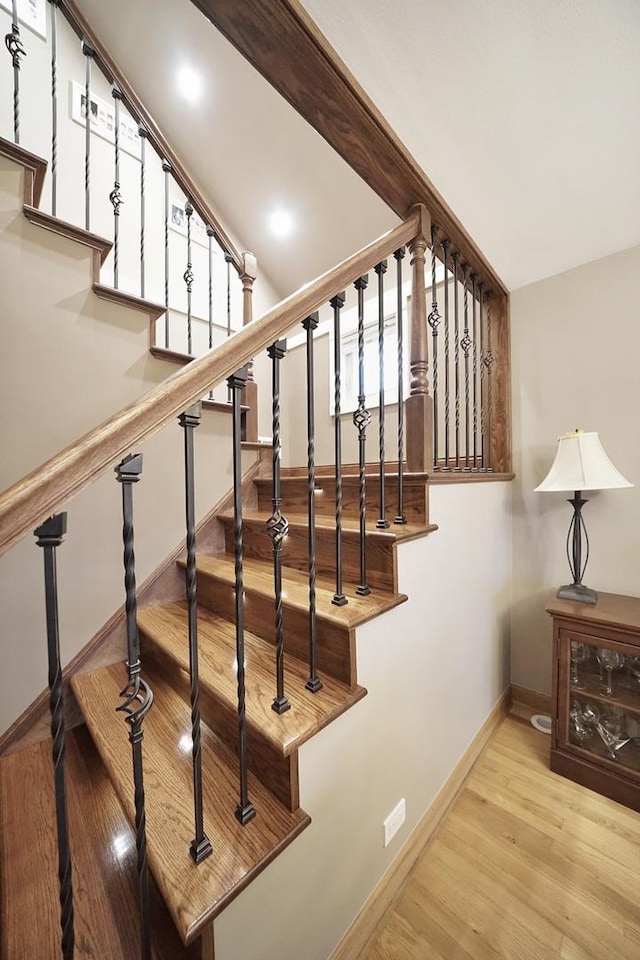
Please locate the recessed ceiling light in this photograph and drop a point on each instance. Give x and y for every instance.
(281, 223)
(189, 84)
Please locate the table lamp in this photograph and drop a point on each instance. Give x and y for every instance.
(580, 464)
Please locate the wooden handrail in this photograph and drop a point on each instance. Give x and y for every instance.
(185, 181)
(48, 487)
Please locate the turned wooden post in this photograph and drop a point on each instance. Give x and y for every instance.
(247, 278)
(419, 406)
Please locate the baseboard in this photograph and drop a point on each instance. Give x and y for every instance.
(539, 702)
(362, 931)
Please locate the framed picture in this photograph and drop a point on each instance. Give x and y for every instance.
(31, 13)
(178, 222)
(103, 118)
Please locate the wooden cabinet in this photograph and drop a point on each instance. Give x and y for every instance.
(595, 738)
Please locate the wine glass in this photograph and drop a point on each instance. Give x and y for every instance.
(610, 660)
(581, 729)
(579, 653)
(633, 665)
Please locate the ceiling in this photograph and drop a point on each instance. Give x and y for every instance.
(525, 114)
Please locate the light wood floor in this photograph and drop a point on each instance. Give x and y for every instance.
(527, 866)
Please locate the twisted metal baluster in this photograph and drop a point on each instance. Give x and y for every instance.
(137, 694)
(313, 683)
(447, 404)
(482, 369)
(465, 343)
(456, 358)
(361, 420)
(115, 196)
(399, 254)
(200, 847)
(142, 133)
(489, 361)
(88, 53)
(245, 810)
(337, 303)
(166, 166)
(475, 375)
(229, 260)
(434, 320)
(54, 105)
(380, 270)
(188, 274)
(50, 535)
(16, 50)
(210, 235)
(277, 525)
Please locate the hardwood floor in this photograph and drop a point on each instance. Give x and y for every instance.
(527, 866)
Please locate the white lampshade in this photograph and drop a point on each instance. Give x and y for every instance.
(581, 464)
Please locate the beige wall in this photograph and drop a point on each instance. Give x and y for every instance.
(433, 667)
(575, 352)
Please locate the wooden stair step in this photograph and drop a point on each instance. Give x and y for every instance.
(166, 626)
(194, 894)
(103, 856)
(396, 533)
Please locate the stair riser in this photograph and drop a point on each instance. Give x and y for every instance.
(381, 566)
(336, 643)
(295, 498)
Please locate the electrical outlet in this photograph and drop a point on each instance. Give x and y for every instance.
(394, 821)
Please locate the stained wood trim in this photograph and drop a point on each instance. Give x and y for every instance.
(35, 168)
(360, 935)
(540, 702)
(69, 230)
(441, 478)
(287, 48)
(40, 493)
(154, 310)
(181, 175)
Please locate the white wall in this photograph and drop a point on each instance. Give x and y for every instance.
(434, 667)
(575, 350)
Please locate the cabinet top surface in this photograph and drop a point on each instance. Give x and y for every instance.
(610, 610)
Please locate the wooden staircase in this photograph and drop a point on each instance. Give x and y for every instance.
(192, 895)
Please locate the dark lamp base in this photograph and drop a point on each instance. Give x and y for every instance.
(576, 591)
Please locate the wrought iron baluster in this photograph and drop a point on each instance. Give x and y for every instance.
(475, 373)
(16, 50)
(200, 847)
(313, 683)
(54, 105)
(434, 321)
(50, 535)
(166, 166)
(361, 420)
(337, 303)
(447, 403)
(188, 274)
(229, 260)
(380, 270)
(88, 53)
(115, 196)
(137, 694)
(456, 358)
(245, 810)
(210, 236)
(465, 343)
(142, 133)
(489, 361)
(482, 370)
(277, 525)
(399, 254)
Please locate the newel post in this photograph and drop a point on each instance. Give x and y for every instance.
(247, 278)
(419, 406)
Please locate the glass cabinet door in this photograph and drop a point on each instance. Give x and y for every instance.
(600, 703)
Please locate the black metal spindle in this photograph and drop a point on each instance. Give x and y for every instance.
(399, 254)
(115, 196)
(475, 372)
(188, 274)
(88, 53)
(137, 694)
(228, 260)
(166, 166)
(277, 525)
(142, 133)
(361, 420)
(482, 370)
(54, 105)
(447, 400)
(489, 362)
(381, 269)
(50, 535)
(245, 810)
(16, 50)
(337, 303)
(456, 358)
(210, 236)
(313, 683)
(434, 321)
(200, 847)
(465, 343)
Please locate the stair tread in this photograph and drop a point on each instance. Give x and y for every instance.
(310, 712)
(103, 861)
(350, 525)
(194, 894)
(258, 577)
